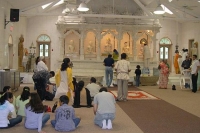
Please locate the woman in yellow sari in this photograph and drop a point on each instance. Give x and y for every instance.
(64, 80)
(176, 64)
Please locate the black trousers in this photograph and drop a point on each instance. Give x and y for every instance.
(194, 82)
(40, 86)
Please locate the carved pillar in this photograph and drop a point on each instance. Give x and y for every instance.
(119, 38)
(62, 48)
(98, 46)
(154, 45)
(81, 46)
(134, 36)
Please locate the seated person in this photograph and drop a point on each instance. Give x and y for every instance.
(65, 119)
(35, 113)
(92, 88)
(8, 89)
(186, 63)
(8, 116)
(22, 100)
(104, 109)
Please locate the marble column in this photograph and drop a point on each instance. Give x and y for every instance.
(81, 46)
(119, 38)
(62, 48)
(2, 36)
(134, 36)
(98, 47)
(154, 45)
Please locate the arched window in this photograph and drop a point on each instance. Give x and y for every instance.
(44, 38)
(165, 41)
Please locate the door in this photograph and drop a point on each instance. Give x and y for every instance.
(44, 50)
(165, 53)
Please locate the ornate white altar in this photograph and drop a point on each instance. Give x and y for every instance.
(88, 44)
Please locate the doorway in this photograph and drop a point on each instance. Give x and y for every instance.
(165, 51)
(43, 49)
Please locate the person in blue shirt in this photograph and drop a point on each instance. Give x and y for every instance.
(109, 64)
(138, 73)
(65, 119)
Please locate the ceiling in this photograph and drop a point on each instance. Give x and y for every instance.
(113, 11)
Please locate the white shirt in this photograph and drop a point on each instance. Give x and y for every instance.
(93, 88)
(41, 66)
(5, 109)
(195, 64)
(123, 66)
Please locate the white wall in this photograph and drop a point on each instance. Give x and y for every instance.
(19, 28)
(44, 25)
(191, 30)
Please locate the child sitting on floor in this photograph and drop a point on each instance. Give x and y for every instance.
(65, 119)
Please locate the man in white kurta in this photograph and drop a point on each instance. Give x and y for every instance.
(147, 55)
(122, 68)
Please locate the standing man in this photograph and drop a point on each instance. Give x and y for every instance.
(41, 79)
(104, 109)
(122, 68)
(147, 55)
(194, 72)
(109, 64)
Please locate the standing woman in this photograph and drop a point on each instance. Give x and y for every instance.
(164, 74)
(22, 100)
(8, 116)
(64, 80)
(115, 55)
(34, 111)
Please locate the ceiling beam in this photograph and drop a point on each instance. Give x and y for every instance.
(143, 7)
(51, 5)
(36, 5)
(113, 16)
(183, 10)
(173, 10)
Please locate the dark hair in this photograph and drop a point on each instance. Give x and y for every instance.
(25, 93)
(109, 55)
(5, 97)
(65, 64)
(176, 51)
(37, 60)
(195, 55)
(93, 80)
(145, 44)
(64, 99)
(80, 85)
(5, 89)
(35, 103)
(52, 73)
(138, 66)
(103, 89)
(116, 52)
(123, 56)
(186, 50)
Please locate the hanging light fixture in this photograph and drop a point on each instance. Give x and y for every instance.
(159, 10)
(83, 7)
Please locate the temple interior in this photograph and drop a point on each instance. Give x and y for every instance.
(56, 29)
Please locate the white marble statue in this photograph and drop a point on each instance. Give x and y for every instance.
(194, 50)
(71, 47)
(90, 48)
(147, 55)
(126, 48)
(108, 46)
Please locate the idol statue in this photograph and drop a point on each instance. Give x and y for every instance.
(71, 47)
(108, 46)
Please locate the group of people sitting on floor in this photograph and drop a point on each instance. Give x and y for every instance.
(30, 107)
